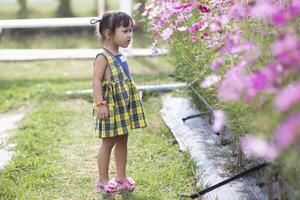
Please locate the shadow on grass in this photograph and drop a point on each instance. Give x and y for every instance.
(27, 82)
(15, 91)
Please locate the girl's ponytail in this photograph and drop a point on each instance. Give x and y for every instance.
(94, 21)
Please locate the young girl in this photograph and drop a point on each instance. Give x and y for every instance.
(117, 108)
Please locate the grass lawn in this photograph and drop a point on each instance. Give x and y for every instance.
(56, 152)
(49, 39)
(47, 8)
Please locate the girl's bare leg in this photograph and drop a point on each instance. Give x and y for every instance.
(104, 157)
(120, 153)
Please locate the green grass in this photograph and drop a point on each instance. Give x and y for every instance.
(23, 82)
(54, 41)
(56, 152)
(46, 9)
(49, 39)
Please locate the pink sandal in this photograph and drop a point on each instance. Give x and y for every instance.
(126, 184)
(111, 188)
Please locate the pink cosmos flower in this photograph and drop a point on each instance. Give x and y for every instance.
(288, 97)
(233, 84)
(286, 134)
(280, 18)
(210, 81)
(223, 20)
(154, 49)
(203, 9)
(147, 10)
(167, 33)
(294, 9)
(259, 148)
(237, 11)
(273, 13)
(216, 63)
(215, 27)
(232, 40)
(240, 47)
(195, 27)
(257, 81)
(219, 121)
(264, 9)
(182, 16)
(195, 38)
(180, 6)
(261, 80)
(205, 35)
(250, 52)
(286, 50)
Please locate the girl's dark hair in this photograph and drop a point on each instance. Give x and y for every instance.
(111, 20)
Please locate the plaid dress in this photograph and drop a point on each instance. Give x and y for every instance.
(124, 105)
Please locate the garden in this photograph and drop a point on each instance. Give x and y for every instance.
(242, 57)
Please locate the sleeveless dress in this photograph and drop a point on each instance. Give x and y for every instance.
(124, 105)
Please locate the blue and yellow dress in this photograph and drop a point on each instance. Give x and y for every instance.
(121, 95)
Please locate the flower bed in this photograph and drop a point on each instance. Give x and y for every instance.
(245, 58)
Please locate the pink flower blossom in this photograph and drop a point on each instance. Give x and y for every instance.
(288, 97)
(167, 33)
(215, 27)
(219, 121)
(195, 38)
(203, 9)
(237, 11)
(232, 41)
(195, 27)
(183, 16)
(257, 82)
(294, 9)
(240, 48)
(223, 20)
(250, 52)
(204, 35)
(286, 134)
(216, 63)
(273, 13)
(264, 9)
(210, 81)
(233, 84)
(280, 18)
(261, 80)
(286, 49)
(180, 6)
(259, 148)
(240, 82)
(154, 49)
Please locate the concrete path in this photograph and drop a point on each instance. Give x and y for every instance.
(8, 123)
(196, 136)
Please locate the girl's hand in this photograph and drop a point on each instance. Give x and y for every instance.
(102, 112)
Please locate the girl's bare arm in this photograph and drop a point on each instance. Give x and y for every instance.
(98, 75)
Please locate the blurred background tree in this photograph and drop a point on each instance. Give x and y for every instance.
(22, 12)
(64, 9)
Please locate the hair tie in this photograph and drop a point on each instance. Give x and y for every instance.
(94, 21)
